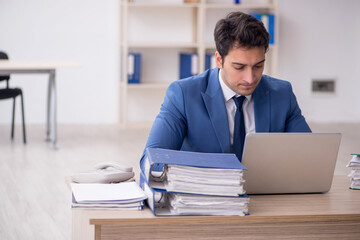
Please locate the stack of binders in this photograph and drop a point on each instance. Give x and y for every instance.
(354, 164)
(189, 183)
(189, 65)
(269, 23)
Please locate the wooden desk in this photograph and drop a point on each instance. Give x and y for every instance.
(333, 215)
(13, 67)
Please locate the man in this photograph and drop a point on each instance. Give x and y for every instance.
(199, 113)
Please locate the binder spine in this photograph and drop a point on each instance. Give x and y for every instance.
(194, 64)
(142, 180)
(147, 170)
(189, 65)
(210, 61)
(272, 28)
(265, 20)
(269, 23)
(150, 200)
(134, 67)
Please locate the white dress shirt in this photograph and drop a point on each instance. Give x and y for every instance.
(248, 109)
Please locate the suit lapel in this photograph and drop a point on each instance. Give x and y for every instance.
(262, 108)
(214, 102)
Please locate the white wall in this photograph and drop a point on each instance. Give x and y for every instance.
(84, 31)
(318, 38)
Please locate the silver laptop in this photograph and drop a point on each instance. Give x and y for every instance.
(289, 162)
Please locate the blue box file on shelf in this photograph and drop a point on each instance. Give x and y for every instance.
(134, 67)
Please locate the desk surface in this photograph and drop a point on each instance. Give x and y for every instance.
(340, 204)
(8, 67)
(339, 200)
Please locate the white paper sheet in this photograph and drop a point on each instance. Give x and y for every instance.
(125, 192)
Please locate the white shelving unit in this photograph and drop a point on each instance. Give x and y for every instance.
(160, 31)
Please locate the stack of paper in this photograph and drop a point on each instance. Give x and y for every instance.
(187, 204)
(192, 183)
(126, 195)
(355, 171)
(211, 181)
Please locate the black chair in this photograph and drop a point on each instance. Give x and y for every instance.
(7, 93)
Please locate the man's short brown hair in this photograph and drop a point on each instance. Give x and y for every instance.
(239, 29)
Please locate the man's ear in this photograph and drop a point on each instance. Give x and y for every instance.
(218, 60)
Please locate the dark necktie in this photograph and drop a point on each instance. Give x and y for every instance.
(239, 128)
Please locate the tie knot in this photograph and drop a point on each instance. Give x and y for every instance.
(239, 101)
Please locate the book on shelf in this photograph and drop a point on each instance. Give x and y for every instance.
(210, 61)
(229, 2)
(192, 183)
(269, 23)
(189, 65)
(354, 164)
(164, 1)
(124, 195)
(134, 67)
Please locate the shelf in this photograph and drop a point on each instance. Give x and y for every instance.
(160, 31)
(161, 45)
(212, 46)
(147, 85)
(166, 5)
(239, 6)
(209, 45)
(137, 125)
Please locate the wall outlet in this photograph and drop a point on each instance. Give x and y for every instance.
(323, 85)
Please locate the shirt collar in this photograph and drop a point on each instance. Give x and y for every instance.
(227, 92)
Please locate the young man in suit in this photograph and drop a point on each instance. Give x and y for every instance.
(199, 113)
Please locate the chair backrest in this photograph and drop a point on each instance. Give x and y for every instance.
(4, 56)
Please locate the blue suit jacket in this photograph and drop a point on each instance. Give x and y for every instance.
(193, 116)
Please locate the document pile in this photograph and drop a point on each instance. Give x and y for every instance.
(201, 180)
(190, 183)
(355, 171)
(125, 195)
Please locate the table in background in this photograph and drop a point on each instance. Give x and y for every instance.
(9, 67)
(333, 215)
